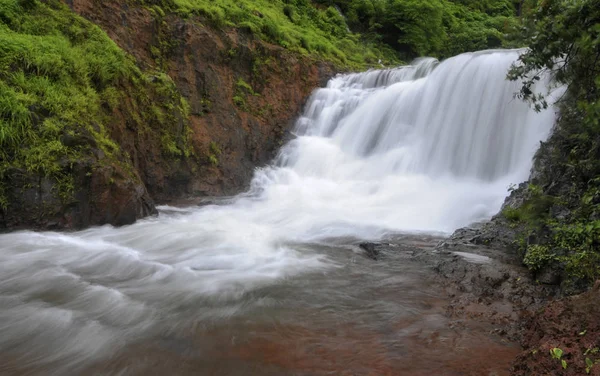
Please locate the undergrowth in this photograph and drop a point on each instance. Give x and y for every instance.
(297, 25)
(560, 215)
(569, 241)
(356, 34)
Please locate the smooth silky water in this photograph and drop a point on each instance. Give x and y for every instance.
(272, 281)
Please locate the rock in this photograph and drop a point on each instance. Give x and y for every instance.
(370, 249)
(114, 198)
(549, 275)
(205, 64)
(102, 195)
(82, 139)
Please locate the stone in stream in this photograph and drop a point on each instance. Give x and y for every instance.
(370, 249)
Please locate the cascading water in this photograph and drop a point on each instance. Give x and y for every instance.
(420, 148)
(426, 148)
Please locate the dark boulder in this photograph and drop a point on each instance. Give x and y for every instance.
(371, 250)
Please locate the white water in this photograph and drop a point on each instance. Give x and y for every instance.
(427, 148)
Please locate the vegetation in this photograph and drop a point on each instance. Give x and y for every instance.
(241, 92)
(562, 206)
(557, 353)
(296, 25)
(590, 363)
(214, 153)
(61, 80)
(440, 28)
(360, 33)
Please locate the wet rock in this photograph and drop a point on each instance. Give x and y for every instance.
(549, 275)
(370, 249)
(516, 198)
(485, 281)
(101, 195)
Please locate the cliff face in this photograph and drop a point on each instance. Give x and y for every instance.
(243, 95)
(234, 98)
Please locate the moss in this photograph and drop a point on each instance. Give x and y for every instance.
(241, 92)
(163, 43)
(65, 188)
(243, 86)
(240, 101)
(214, 148)
(206, 104)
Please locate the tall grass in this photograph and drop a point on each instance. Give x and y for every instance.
(60, 79)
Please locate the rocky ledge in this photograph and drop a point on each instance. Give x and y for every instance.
(487, 283)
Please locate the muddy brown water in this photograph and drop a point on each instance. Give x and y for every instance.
(364, 317)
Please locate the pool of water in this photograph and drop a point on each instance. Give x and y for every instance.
(355, 316)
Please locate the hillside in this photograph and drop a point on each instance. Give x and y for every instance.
(109, 106)
(92, 133)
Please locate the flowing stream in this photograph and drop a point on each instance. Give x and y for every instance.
(272, 281)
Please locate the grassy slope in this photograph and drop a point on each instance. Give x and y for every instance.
(61, 77)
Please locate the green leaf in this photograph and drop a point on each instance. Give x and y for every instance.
(556, 353)
(589, 362)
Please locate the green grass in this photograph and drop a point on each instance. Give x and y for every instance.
(297, 25)
(61, 79)
(369, 31)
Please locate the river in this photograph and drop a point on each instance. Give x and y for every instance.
(272, 282)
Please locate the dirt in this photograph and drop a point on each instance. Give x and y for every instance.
(488, 286)
(570, 324)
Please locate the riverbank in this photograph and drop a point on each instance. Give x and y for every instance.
(412, 305)
(487, 284)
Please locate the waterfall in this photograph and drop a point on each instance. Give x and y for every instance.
(427, 147)
(423, 148)
(459, 119)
